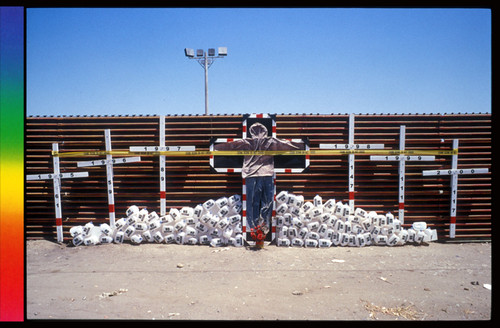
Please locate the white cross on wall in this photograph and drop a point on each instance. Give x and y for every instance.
(56, 177)
(351, 146)
(454, 172)
(109, 161)
(402, 159)
(163, 170)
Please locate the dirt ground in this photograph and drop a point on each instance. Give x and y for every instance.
(441, 281)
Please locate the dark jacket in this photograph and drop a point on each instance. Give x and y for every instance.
(259, 165)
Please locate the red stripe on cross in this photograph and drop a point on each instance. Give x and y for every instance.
(288, 170)
(58, 221)
(259, 115)
(111, 208)
(230, 170)
(273, 229)
(351, 195)
(274, 128)
(244, 197)
(163, 194)
(453, 219)
(244, 128)
(401, 206)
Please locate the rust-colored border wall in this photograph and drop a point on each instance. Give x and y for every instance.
(190, 180)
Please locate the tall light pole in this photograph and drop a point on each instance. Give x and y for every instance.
(206, 60)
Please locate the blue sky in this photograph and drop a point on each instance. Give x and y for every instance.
(111, 61)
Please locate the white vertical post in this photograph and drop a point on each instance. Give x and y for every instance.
(57, 193)
(401, 189)
(454, 188)
(56, 178)
(454, 172)
(109, 176)
(402, 160)
(163, 175)
(351, 163)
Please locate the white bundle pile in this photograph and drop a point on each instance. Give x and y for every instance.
(215, 223)
(319, 224)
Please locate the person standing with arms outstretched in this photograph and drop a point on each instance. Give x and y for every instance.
(258, 172)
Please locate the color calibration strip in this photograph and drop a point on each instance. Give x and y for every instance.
(11, 163)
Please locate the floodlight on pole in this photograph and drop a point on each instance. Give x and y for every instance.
(189, 52)
(205, 60)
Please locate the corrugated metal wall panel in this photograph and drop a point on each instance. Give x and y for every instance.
(190, 180)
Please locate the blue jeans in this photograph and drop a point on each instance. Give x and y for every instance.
(260, 193)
